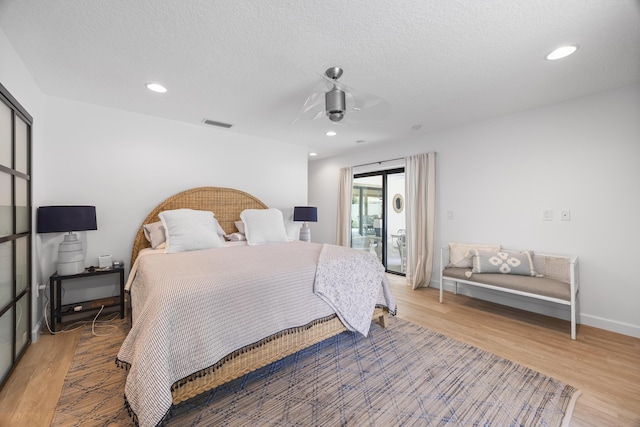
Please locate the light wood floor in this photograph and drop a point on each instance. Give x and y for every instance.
(605, 366)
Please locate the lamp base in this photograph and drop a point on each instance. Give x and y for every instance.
(305, 233)
(70, 256)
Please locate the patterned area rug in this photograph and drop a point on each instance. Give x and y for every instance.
(402, 375)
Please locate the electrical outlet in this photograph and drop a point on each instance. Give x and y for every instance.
(565, 215)
(547, 215)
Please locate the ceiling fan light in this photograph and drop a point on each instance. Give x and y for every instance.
(335, 104)
(336, 116)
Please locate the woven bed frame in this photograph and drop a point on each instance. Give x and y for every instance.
(227, 204)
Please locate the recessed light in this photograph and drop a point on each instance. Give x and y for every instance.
(313, 154)
(562, 52)
(155, 87)
(331, 133)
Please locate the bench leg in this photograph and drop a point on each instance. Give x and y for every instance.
(573, 321)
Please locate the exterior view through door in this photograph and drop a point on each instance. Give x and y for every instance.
(377, 217)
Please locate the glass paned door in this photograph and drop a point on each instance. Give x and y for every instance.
(395, 236)
(15, 232)
(366, 214)
(377, 217)
(6, 343)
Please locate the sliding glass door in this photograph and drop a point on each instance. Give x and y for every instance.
(15, 232)
(377, 217)
(395, 236)
(367, 214)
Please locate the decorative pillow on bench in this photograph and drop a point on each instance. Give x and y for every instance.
(505, 262)
(460, 253)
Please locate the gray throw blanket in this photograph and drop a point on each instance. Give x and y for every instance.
(351, 281)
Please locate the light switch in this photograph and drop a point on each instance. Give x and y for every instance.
(449, 214)
(565, 215)
(547, 215)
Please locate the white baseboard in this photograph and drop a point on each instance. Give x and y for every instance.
(610, 325)
(541, 307)
(35, 331)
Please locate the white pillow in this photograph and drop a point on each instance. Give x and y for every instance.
(460, 253)
(263, 226)
(189, 230)
(154, 232)
(219, 228)
(239, 226)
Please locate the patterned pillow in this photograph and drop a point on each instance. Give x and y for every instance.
(520, 263)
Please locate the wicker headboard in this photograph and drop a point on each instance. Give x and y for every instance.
(225, 203)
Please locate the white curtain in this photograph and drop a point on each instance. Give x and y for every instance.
(420, 197)
(343, 233)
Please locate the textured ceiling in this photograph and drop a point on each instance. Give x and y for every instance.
(252, 63)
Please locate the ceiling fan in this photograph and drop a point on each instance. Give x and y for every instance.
(342, 104)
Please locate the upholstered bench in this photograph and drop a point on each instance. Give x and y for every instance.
(545, 277)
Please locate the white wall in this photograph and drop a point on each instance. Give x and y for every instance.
(498, 176)
(15, 77)
(126, 163)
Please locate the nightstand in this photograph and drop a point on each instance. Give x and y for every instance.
(58, 311)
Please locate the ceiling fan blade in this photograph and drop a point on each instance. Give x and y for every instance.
(358, 107)
(312, 109)
(366, 106)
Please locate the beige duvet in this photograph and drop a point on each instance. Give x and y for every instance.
(191, 309)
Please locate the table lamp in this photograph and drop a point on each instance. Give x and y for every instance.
(306, 214)
(66, 219)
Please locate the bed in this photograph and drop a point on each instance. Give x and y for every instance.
(204, 317)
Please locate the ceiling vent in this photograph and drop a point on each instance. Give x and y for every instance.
(214, 123)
